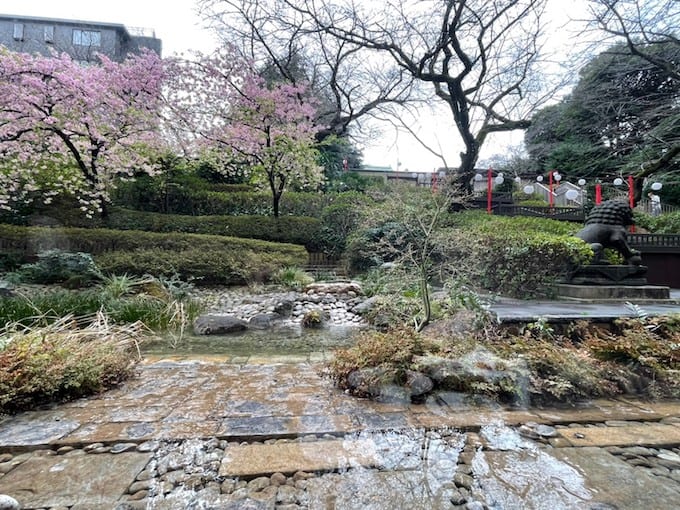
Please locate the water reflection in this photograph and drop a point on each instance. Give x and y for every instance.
(281, 341)
(515, 473)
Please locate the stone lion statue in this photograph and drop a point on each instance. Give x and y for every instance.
(605, 227)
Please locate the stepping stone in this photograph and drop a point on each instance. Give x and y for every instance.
(653, 434)
(64, 481)
(287, 458)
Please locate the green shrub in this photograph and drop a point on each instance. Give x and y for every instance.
(61, 361)
(338, 221)
(74, 269)
(522, 264)
(208, 259)
(285, 229)
(663, 224)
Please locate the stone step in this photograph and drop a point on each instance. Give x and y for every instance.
(253, 460)
(651, 434)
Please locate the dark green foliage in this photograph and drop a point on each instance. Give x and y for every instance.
(374, 246)
(584, 135)
(338, 221)
(57, 266)
(210, 259)
(520, 257)
(208, 202)
(285, 229)
(663, 224)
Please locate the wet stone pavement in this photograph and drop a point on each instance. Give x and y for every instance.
(268, 434)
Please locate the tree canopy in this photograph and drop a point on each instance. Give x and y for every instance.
(221, 108)
(65, 127)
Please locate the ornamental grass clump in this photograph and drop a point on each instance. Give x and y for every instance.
(62, 361)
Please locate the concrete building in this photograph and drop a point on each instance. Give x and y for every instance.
(80, 39)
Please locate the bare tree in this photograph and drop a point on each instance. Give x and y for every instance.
(284, 42)
(648, 28)
(482, 57)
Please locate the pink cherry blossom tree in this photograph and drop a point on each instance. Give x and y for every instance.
(72, 128)
(219, 106)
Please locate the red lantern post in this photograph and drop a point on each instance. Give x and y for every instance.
(598, 193)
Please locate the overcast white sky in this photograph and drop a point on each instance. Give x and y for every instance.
(178, 26)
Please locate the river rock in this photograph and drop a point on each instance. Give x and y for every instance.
(8, 503)
(263, 320)
(215, 324)
(419, 384)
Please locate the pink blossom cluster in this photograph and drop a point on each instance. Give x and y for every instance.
(55, 113)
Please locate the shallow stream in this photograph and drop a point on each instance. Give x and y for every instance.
(281, 341)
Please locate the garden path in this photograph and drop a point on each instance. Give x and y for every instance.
(266, 434)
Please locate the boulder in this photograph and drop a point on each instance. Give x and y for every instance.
(419, 384)
(284, 306)
(263, 320)
(216, 324)
(366, 305)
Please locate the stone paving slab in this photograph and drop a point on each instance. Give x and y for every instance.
(563, 311)
(61, 481)
(603, 410)
(370, 490)
(287, 458)
(652, 434)
(568, 479)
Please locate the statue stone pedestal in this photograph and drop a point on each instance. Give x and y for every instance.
(611, 282)
(613, 292)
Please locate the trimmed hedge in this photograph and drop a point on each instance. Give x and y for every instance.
(210, 259)
(285, 229)
(200, 202)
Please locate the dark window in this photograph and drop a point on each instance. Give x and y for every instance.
(49, 34)
(87, 37)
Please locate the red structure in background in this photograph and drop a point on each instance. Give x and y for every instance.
(489, 189)
(598, 193)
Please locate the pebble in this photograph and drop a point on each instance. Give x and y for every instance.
(8, 503)
(123, 447)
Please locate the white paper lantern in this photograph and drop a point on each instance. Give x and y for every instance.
(499, 179)
(478, 177)
(618, 181)
(581, 182)
(656, 186)
(528, 189)
(539, 178)
(572, 194)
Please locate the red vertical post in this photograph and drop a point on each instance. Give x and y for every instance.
(631, 197)
(631, 192)
(550, 181)
(489, 189)
(598, 193)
